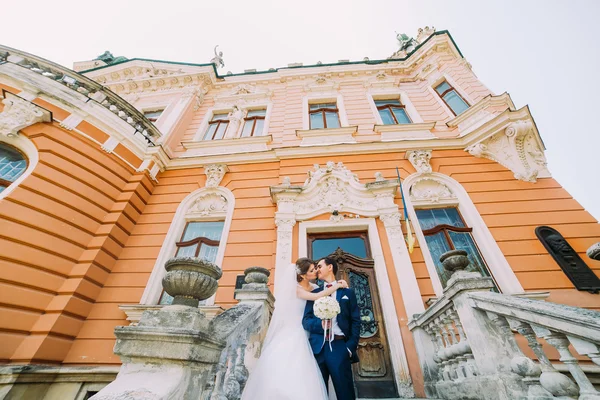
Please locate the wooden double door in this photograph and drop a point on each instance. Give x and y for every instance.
(373, 374)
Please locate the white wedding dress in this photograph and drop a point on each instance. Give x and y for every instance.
(286, 369)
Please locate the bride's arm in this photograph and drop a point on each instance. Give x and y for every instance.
(304, 295)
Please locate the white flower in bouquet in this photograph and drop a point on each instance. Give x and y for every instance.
(326, 308)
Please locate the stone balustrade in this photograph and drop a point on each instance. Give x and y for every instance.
(143, 128)
(468, 349)
(176, 352)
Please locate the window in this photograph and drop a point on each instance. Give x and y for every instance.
(12, 165)
(451, 97)
(323, 116)
(254, 123)
(199, 239)
(445, 230)
(392, 112)
(217, 127)
(153, 115)
(323, 244)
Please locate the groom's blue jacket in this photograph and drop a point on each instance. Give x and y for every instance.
(348, 320)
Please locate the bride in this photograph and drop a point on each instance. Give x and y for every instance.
(287, 369)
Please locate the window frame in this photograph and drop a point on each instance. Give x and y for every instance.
(218, 123)
(254, 118)
(7, 184)
(200, 240)
(323, 111)
(451, 88)
(389, 107)
(151, 110)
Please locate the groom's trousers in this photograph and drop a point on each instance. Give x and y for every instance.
(335, 363)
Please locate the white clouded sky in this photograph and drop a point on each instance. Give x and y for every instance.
(543, 52)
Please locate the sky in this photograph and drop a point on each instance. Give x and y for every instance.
(543, 52)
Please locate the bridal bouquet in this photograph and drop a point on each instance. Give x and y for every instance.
(326, 308)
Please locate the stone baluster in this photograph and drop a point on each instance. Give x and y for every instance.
(462, 347)
(431, 331)
(241, 372)
(561, 343)
(451, 349)
(446, 370)
(218, 392)
(232, 386)
(553, 381)
(586, 348)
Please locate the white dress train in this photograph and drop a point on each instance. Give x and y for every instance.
(286, 369)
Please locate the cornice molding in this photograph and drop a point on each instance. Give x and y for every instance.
(419, 131)
(481, 112)
(228, 146)
(329, 136)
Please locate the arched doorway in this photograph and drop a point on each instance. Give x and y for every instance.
(373, 375)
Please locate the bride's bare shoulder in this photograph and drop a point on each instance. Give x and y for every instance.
(314, 286)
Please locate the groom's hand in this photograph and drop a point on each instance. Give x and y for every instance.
(326, 324)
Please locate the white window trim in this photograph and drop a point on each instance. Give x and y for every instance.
(26, 146)
(390, 317)
(269, 110)
(324, 98)
(210, 113)
(226, 109)
(493, 256)
(151, 295)
(386, 94)
(435, 79)
(156, 107)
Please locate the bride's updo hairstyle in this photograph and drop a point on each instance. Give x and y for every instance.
(302, 266)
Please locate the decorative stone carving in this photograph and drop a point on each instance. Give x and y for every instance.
(243, 89)
(578, 272)
(424, 33)
(190, 280)
(18, 114)
(322, 83)
(594, 251)
(235, 117)
(518, 148)
(214, 174)
(420, 160)
(284, 239)
(209, 204)
(455, 260)
(430, 190)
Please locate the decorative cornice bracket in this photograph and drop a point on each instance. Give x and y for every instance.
(19, 113)
(517, 147)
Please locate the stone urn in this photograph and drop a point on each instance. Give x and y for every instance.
(190, 280)
(256, 275)
(455, 260)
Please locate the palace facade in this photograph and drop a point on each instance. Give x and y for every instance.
(108, 172)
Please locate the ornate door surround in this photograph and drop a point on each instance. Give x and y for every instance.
(333, 189)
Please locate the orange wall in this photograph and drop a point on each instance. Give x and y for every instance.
(62, 230)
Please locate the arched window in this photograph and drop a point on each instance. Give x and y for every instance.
(13, 164)
(445, 218)
(199, 229)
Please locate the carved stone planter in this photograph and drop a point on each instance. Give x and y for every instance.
(455, 260)
(258, 275)
(190, 280)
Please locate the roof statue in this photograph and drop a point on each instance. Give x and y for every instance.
(218, 59)
(406, 43)
(109, 58)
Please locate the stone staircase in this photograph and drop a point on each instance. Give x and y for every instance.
(465, 341)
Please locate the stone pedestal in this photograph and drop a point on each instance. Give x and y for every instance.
(172, 352)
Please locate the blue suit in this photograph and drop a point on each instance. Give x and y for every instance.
(336, 362)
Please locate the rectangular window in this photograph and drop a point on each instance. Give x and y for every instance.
(324, 115)
(453, 100)
(153, 115)
(254, 123)
(445, 230)
(217, 127)
(392, 112)
(200, 239)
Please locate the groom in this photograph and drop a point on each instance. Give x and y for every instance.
(335, 362)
